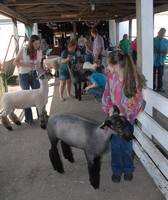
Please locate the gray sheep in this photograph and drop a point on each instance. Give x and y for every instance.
(84, 134)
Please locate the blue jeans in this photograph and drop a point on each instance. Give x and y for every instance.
(96, 92)
(89, 58)
(160, 70)
(121, 155)
(26, 81)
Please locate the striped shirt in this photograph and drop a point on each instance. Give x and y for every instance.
(114, 95)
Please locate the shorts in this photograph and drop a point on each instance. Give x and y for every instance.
(64, 75)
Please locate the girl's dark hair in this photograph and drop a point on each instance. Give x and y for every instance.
(133, 78)
(30, 48)
(87, 73)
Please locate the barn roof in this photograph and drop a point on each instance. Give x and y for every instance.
(43, 11)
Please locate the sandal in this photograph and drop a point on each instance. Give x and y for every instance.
(70, 96)
(62, 99)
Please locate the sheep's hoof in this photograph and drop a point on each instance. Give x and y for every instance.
(60, 171)
(43, 126)
(95, 186)
(9, 128)
(18, 123)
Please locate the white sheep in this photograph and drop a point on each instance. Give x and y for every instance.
(53, 62)
(26, 99)
(88, 65)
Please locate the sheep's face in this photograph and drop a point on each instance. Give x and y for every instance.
(44, 75)
(120, 125)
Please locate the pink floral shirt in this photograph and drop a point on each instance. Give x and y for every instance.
(114, 95)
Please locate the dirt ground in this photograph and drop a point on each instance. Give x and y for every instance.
(26, 172)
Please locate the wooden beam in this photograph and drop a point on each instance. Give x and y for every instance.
(37, 2)
(162, 8)
(8, 12)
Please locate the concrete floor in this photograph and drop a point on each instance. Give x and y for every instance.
(26, 172)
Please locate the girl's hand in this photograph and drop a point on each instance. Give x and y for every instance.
(111, 111)
(30, 65)
(87, 88)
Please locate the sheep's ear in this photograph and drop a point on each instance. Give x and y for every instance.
(106, 123)
(116, 110)
(103, 125)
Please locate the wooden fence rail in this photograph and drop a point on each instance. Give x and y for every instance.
(153, 159)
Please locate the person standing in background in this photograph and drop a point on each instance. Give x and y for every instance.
(160, 52)
(81, 44)
(28, 61)
(89, 49)
(124, 44)
(134, 50)
(44, 47)
(63, 42)
(98, 48)
(67, 55)
(106, 41)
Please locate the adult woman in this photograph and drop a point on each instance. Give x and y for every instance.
(123, 89)
(28, 61)
(124, 44)
(67, 55)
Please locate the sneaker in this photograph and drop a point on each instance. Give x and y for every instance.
(115, 178)
(128, 177)
(161, 90)
(62, 99)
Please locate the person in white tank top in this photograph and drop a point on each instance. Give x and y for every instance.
(28, 61)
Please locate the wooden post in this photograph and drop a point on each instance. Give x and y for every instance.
(145, 38)
(15, 31)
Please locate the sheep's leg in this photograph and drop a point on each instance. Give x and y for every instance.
(79, 91)
(42, 117)
(94, 172)
(67, 152)
(55, 158)
(14, 118)
(76, 91)
(6, 123)
(46, 116)
(42, 122)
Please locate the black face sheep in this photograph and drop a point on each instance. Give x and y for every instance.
(84, 134)
(26, 99)
(77, 77)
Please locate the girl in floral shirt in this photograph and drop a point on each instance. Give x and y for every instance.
(123, 89)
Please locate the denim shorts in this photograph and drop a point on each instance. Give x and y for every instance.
(64, 75)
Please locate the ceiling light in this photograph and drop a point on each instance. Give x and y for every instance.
(92, 6)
